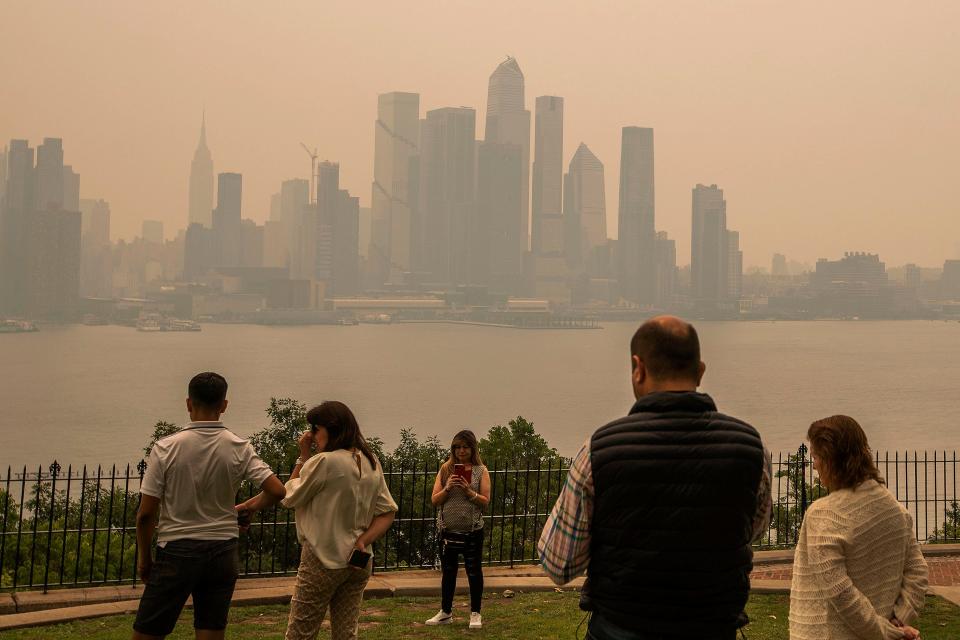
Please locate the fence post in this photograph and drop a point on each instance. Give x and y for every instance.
(141, 469)
(802, 454)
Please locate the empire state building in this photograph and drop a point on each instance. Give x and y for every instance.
(201, 182)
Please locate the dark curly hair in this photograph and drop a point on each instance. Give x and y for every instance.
(843, 453)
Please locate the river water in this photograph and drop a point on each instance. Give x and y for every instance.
(92, 394)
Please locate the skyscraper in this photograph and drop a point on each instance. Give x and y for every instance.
(508, 122)
(329, 237)
(3, 174)
(276, 207)
(49, 181)
(71, 189)
(198, 251)
(709, 245)
(550, 271)
(636, 240)
(584, 210)
(39, 240)
(447, 195)
(666, 268)
(734, 266)
(96, 267)
(396, 143)
(494, 242)
(294, 199)
(15, 212)
(201, 181)
(54, 263)
(346, 245)
(152, 231)
(227, 233)
(275, 244)
(778, 266)
(548, 177)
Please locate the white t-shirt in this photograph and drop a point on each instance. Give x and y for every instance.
(196, 473)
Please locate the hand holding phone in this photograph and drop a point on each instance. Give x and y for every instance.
(461, 471)
(359, 559)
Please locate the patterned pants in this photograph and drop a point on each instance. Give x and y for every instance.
(317, 589)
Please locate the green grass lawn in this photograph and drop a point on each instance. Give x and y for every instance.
(525, 617)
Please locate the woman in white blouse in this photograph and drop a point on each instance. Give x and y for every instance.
(342, 506)
(858, 572)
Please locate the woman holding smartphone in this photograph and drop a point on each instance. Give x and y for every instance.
(460, 492)
(342, 506)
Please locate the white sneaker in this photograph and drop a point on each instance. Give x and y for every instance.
(475, 620)
(441, 618)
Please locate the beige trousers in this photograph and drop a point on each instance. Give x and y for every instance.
(317, 589)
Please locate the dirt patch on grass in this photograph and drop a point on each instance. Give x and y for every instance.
(370, 625)
(263, 620)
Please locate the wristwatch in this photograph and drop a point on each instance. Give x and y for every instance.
(299, 460)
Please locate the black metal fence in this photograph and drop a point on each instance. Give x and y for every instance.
(76, 527)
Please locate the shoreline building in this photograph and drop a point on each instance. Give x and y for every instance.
(201, 182)
(496, 252)
(508, 122)
(227, 221)
(40, 245)
(396, 149)
(295, 197)
(447, 198)
(549, 263)
(96, 269)
(637, 236)
(330, 236)
(734, 266)
(667, 272)
(585, 214)
(709, 246)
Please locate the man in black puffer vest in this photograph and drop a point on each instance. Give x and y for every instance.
(660, 507)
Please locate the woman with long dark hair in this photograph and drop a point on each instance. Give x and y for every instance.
(342, 506)
(858, 571)
(460, 492)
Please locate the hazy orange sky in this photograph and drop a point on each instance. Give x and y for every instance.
(831, 126)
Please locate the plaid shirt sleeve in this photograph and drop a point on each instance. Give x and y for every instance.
(564, 545)
(761, 519)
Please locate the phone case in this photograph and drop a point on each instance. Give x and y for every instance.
(359, 558)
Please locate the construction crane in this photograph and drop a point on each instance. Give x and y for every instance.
(311, 198)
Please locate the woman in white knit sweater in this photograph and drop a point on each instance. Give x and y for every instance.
(858, 572)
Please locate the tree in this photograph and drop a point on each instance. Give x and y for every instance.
(160, 430)
(517, 442)
(950, 531)
(277, 443)
(788, 510)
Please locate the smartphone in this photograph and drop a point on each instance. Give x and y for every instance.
(359, 559)
(243, 518)
(461, 470)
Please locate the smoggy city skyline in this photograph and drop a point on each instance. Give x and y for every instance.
(829, 128)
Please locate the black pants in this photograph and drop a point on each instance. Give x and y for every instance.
(472, 552)
(205, 569)
(602, 629)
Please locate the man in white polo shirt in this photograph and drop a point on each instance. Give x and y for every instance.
(191, 482)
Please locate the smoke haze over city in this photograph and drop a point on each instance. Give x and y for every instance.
(830, 127)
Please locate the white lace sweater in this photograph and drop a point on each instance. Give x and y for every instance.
(857, 565)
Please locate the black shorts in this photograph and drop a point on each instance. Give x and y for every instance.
(204, 569)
